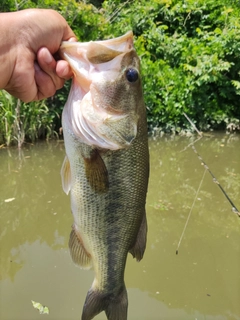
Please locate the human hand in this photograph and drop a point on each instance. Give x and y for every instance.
(30, 40)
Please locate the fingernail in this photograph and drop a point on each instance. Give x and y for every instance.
(65, 71)
(47, 56)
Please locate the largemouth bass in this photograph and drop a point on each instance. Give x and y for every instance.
(106, 166)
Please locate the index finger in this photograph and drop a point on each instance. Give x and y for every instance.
(68, 34)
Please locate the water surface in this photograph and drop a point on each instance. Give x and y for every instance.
(201, 282)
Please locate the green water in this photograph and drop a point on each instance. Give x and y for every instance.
(201, 282)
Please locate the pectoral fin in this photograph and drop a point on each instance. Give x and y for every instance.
(66, 175)
(138, 249)
(79, 254)
(96, 171)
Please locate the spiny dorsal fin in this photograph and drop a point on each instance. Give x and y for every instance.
(96, 172)
(79, 254)
(66, 175)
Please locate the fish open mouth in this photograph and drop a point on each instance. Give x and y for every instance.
(94, 109)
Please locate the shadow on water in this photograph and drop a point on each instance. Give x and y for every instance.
(201, 282)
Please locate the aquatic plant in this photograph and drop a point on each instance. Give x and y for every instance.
(9, 113)
(22, 121)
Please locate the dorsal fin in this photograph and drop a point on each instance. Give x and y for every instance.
(139, 246)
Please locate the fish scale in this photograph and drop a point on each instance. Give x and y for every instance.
(107, 175)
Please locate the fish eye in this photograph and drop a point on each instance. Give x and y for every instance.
(132, 75)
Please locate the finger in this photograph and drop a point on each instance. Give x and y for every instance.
(48, 64)
(63, 70)
(68, 34)
(72, 39)
(46, 86)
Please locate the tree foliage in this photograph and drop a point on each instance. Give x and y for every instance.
(190, 60)
(190, 53)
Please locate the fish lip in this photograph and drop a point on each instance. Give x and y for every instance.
(112, 43)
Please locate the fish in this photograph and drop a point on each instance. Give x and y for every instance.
(106, 167)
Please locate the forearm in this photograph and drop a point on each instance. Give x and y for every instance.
(8, 48)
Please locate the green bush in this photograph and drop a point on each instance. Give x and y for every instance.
(190, 53)
(190, 60)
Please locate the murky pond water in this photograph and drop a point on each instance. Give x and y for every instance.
(201, 282)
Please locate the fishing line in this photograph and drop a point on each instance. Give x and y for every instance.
(190, 144)
(110, 19)
(234, 209)
(190, 212)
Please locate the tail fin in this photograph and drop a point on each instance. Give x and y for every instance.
(115, 306)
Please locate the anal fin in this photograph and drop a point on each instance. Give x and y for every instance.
(138, 248)
(79, 254)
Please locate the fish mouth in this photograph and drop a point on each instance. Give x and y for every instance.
(95, 123)
(85, 56)
(123, 43)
